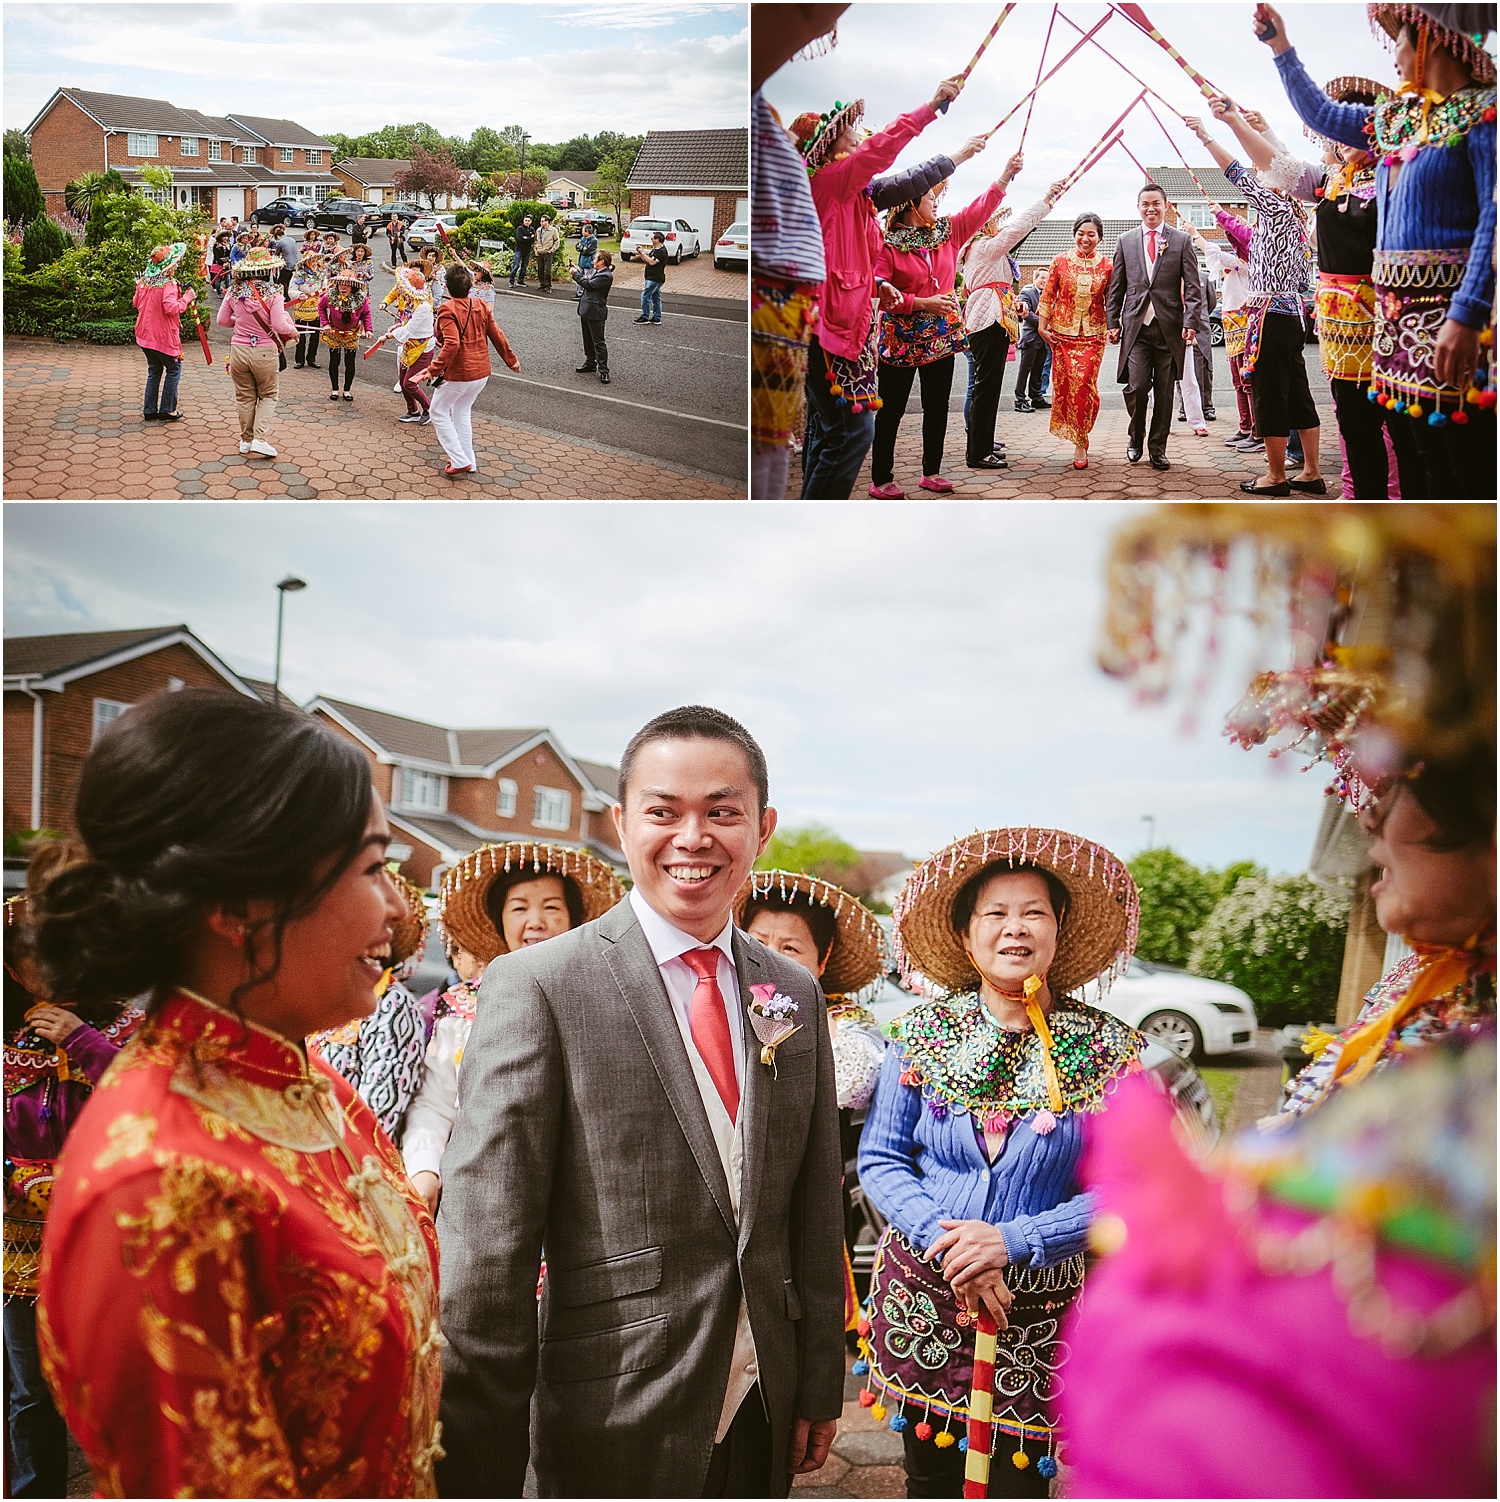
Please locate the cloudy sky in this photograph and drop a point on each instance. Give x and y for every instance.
(894, 56)
(913, 672)
(558, 69)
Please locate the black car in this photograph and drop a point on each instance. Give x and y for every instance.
(407, 213)
(341, 214)
(595, 224)
(1216, 324)
(281, 211)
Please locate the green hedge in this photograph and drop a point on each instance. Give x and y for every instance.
(109, 331)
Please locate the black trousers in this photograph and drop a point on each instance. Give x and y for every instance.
(518, 271)
(544, 269)
(1460, 457)
(1030, 362)
(931, 1472)
(989, 348)
(307, 347)
(1203, 354)
(333, 368)
(396, 248)
(741, 1465)
(595, 351)
(1363, 426)
(1149, 375)
(895, 390)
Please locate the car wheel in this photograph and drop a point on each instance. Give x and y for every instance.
(677, 259)
(1173, 1030)
(718, 264)
(1216, 337)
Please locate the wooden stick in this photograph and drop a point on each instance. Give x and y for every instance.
(1041, 63)
(1090, 162)
(1139, 18)
(1173, 144)
(943, 107)
(1099, 26)
(1120, 142)
(1109, 130)
(1116, 61)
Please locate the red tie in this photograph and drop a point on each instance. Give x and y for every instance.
(709, 1024)
(1150, 248)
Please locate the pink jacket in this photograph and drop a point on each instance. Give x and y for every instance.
(157, 309)
(256, 322)
(851, 232)
(927, 273)
(336, 318)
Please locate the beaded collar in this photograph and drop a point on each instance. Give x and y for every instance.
(919, 236)
(30, 1058)
(963, 1062)
(1408, 121)
(461, 1000)
(841, 1009)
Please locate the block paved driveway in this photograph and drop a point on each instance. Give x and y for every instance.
(73, 431)
(1041, 466)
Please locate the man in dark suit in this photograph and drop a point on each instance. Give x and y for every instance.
(627, 1104)
(1154, 310)
(525, 239)
(593, 310)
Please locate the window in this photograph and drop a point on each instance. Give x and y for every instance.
(288, 156)
(506, 792)
(314, 158)
(106, 712)
(247, 155)
(163, 196)
(1199, 215)
(424, 789)
(216, 151)
(552, 809)
(139, 143)
(190, 146)
(321, 192)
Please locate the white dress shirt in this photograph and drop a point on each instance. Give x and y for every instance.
(668, 945)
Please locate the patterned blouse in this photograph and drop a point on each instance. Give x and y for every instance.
(1073, 299)
(1278, 246)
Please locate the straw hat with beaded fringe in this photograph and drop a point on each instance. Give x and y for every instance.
(410, 932)
(461, 903)
(859, 946)
(1098, 932)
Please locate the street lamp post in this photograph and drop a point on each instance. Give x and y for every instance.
(1149, 820)
(524, 139)
(290, 585)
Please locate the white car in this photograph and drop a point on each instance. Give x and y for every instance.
(1192, 1016)
(424, 232)
(680, 236)
(732, 248)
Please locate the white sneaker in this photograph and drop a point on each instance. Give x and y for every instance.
(397, 388)
(260, 446)
(244, 447)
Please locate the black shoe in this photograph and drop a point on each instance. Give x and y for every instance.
(1024, 407)
(169, 417)
(300, 365)
(1133, 454)
(1181, 416)
(1160, 461)
(333, 395)
(604, 378)
(150, 416)
(640, 320)
(1040, 404)
(348, 396)
(990, 461)
(1209, 415)
(584, 369)
(313, 365)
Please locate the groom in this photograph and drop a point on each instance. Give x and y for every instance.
(1154, 309)
(620, 1110)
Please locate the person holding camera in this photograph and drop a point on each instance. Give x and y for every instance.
(593, 308)
(654, 257)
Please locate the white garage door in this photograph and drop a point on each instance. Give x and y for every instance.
(267, 194)
(231, 202)
(742, 211)
(699, 212)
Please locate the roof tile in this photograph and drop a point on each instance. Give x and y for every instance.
(45, 655)
(693, 158)
(282, 132)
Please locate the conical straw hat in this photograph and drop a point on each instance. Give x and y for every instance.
(858, 950)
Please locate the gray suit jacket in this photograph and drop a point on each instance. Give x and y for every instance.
(581, 1128)
(1175, 291)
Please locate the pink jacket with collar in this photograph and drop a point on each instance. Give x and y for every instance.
(157, 310)
(851, 232)
(927, 273)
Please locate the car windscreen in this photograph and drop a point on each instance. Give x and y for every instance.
(648, 225)
(734, 229)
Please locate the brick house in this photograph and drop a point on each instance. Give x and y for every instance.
(223, 165)
(447, 791)
(373, 178)
(570, 190)
(702, 176)
(62, 691)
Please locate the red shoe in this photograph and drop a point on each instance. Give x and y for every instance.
(463, 469)
(937, 483)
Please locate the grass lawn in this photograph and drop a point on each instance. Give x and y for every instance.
(1222, 1085)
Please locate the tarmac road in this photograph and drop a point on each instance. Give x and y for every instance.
(678, 393)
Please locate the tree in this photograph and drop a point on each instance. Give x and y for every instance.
(490, 152)
(610, 185)
(23, 194)
(814, 848)
(432, 174)
(1176, 899)
(16, 144)
(530, 184)
(45, 240)
(84, 192)
(579, 155)
(1281, 939)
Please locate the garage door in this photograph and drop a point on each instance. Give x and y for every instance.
(742, 211)
(231, 202)
(699, 212)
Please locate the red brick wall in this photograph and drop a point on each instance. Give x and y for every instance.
(65, 145)
(380, 772)
(68, 729)
(640, 205)
(418, 867)
(476, 798)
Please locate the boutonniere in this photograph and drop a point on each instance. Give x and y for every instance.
(771, 1014)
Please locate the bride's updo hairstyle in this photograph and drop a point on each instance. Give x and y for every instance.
(192, 802)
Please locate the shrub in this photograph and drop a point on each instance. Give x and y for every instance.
(462, 216)
(23, 194)
(1281, 939)
(1176, 899)
(108, 331)
(45, 240)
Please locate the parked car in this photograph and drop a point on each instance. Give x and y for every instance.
(424, 232)
(1194, 1017)
(407, 213)
(732, 248)
(681, 238)
(1216, 324)
(281, 211)
(576, 222)
(341, 214)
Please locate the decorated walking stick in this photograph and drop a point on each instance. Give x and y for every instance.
(964, 76)
(202, 243)
(1173, 144)
(1116, 61)
(1104, 142)
(981, 1427)
(1137, 17)
(1041, 63)
(1098, 26)
(1120, 142)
